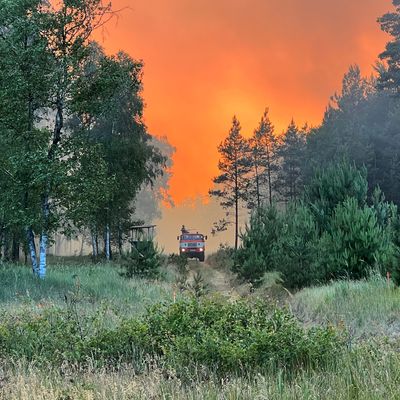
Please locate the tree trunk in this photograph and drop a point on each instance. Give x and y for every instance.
(95, 244)
(2, 231)
(43, 254)
(107, 246)
(32, 250)
(15, 248)
(6, 251)
(236, 223)
(82, 244)
(44, 238)
(119, 240)
(269, 180)
(258, 188)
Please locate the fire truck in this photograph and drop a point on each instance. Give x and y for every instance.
(192, 245)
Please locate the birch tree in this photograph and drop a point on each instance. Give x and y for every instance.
(25, 79)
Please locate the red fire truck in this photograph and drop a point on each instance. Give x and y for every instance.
(192, 245)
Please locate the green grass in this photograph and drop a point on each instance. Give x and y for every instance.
(366, 308)
(92, 285)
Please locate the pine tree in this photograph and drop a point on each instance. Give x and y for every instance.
(263, 145)
(291, 152)
(234, 166)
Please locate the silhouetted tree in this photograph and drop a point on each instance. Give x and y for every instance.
(291, 153)
(234, 166)
(263, 146)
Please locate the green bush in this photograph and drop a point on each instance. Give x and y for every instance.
(186, 336)
(143, 261)
(257, 253)
(234, 337)
(355, 243)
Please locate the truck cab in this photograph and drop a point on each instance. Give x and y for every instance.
(192, 245)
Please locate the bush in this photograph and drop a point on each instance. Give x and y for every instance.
(143, 261)
(355, 243)
(188, 336)
(235, 337)
(257, 253)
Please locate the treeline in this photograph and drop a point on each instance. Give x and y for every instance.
(360, 125)
(75, 149)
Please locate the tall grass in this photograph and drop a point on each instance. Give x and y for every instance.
(92, 285)
(370, 373)
(366, 308)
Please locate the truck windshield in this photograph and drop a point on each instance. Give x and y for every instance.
(192, 237)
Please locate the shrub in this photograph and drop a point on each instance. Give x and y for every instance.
(188, 336)
(143, 261)
(235, 337)
(257, 253)
(355, 243)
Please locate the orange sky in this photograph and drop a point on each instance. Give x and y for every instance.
(206, 60)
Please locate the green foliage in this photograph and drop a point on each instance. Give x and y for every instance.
(198, 287)
(331, 235)
(224, 337)
(257, 253)
(296, 248)
(89, 177)
(289, 182)
(355, 243)
(332, 186)
(144, 261)
(234, 337)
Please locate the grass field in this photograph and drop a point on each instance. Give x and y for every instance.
(366, 308)
(92, 285)
(369, 368)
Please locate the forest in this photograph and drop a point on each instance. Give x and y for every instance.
(303, 303)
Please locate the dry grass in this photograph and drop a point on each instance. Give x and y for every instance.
(368, 373)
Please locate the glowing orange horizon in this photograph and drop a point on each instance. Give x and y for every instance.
(206, 61)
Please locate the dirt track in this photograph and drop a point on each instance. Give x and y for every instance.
(216, 280)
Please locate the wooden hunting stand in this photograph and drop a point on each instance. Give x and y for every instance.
(142, 233)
